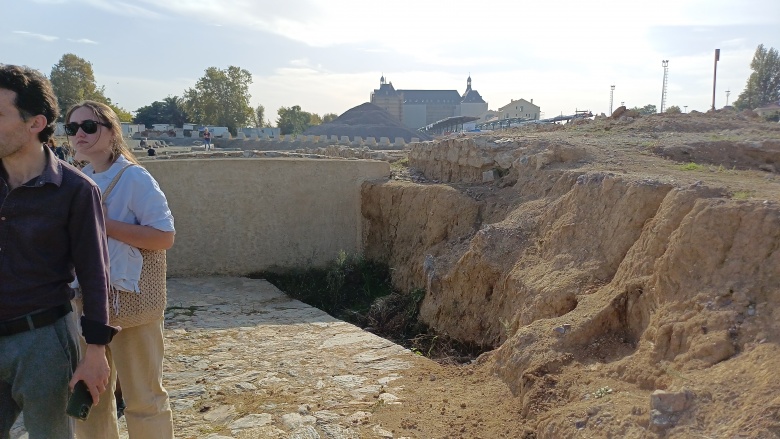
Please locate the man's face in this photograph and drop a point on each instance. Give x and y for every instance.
(14, 131)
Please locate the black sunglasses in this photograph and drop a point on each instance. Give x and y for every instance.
(88, 126)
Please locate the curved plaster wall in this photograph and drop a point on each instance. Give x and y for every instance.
(244, 215)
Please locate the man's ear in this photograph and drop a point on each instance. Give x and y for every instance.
(37, 123)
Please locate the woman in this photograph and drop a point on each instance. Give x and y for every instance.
(137, 216)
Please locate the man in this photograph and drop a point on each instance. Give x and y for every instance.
(51, 228)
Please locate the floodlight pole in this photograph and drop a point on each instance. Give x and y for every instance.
(611, 94)
(714, 76)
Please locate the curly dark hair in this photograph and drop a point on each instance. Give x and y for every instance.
(34, 95)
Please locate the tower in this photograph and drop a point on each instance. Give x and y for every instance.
(611, 94)
(665, 64)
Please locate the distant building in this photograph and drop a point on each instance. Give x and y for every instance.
(519, 109)
(388, 98)
(472, 104)
(162, 127)
(262, 132)
(768, 109)
(128, 129)
(418, 108)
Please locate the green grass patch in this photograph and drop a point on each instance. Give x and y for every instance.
(349, 283)
(742, 195)
(400, 164)
(691, 167)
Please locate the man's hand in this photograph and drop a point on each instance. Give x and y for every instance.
(93, 370)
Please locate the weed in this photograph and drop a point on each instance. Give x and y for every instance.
(724, 138)
(378, 404)
(673, 373)
(602, 392)
(649, 144)
(742, 195)
(400, 164)
(507, 327)
(347, 283)
(691, 167)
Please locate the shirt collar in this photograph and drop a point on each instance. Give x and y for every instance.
(52, 172)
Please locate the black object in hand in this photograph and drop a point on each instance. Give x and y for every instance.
(80, 401)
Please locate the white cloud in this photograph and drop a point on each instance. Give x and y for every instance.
(122, 8)
(564, 55)
(41, 37)
(82, 40)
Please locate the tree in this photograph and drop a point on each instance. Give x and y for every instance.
(763, 85)
(74, 81)
(314, 119)
(647, 109)
(221, 98)
(170, 110)
(329, 117)
(259, 116)
(292, 120)
(124, 115)
(674, 109)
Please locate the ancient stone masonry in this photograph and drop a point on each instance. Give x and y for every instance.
(469, 158)
(332, 151)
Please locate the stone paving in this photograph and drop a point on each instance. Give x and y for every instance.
(244, 360)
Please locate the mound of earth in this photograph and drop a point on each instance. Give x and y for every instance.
(622, 275)
(366, 120)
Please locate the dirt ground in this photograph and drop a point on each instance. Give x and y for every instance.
(670, 283)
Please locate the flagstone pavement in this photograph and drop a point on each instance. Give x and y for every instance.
(244, 360)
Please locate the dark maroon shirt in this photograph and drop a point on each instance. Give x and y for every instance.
(52, 228)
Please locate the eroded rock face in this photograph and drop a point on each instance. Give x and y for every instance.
(630, 275)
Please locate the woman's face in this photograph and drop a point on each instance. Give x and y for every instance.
(90, 146)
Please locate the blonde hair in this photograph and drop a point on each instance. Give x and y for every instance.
(108, 116)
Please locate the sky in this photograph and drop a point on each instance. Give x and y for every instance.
(328, 56)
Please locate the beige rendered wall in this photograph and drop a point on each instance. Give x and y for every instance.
(238, 216)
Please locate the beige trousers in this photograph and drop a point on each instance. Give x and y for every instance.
(135, 355)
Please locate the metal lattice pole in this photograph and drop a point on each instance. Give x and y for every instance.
(665, 64)
(611, 94)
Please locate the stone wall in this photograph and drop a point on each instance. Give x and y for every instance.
(474, 159)
(236, 216)
(290, 142)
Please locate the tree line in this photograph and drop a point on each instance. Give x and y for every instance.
(762, 88)
(219, 98)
